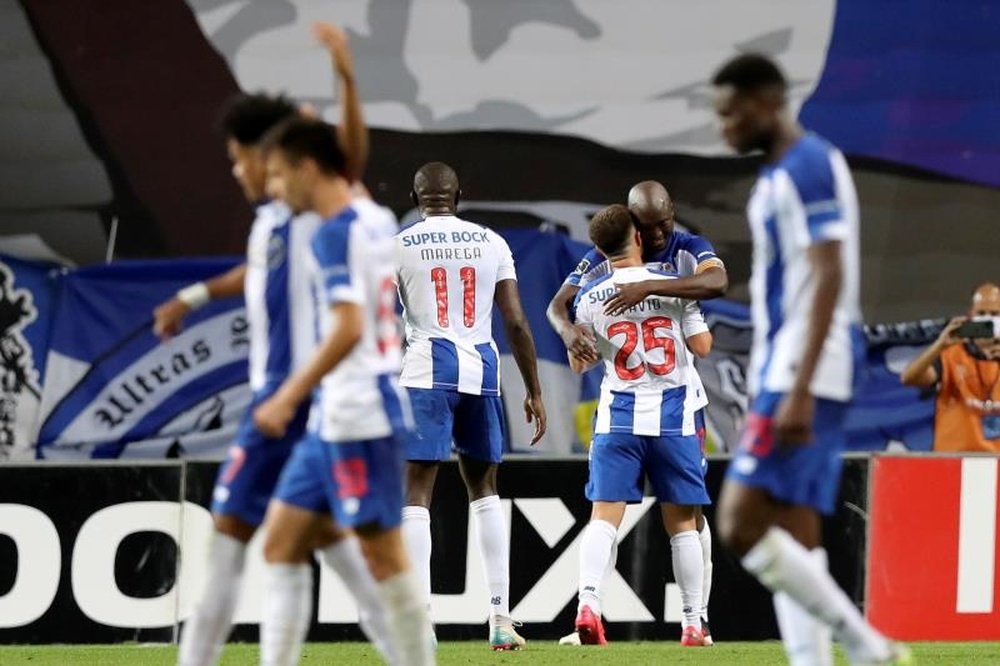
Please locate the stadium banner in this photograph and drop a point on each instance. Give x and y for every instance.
(111, 387)
(27, 292)
(933, 556)
(112, 551)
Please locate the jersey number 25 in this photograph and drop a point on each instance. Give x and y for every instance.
(649, 342)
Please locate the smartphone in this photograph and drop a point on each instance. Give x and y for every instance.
(976, 328)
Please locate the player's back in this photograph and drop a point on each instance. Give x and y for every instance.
(276, 293)
(648, 367)
(353, 263)
(448, 269)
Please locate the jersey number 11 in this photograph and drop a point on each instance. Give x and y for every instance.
(439, 276)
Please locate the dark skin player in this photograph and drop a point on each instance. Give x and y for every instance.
(436, 192)
(653, 211)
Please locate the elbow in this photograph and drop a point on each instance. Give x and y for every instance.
(719, 284)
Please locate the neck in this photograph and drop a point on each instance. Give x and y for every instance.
(789, 131)
(630, 260)
(330, 196)
(437, 211)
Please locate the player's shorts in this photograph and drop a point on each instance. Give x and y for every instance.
(673, 464)
(475, 423)
(701, 433)
(361, 481)
(301, 483)
(250, 473)
(806, 475)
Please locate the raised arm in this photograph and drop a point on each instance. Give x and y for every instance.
(922, 371)
(522, 345)
(352, 134)
(577, 342)
(168, 317)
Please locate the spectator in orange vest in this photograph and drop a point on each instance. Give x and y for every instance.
(963, 364)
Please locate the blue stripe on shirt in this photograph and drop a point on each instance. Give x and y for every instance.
(672, 409)
(444, 364)
(491, 369)
(276, 297)
(391, 404)
(622, 411)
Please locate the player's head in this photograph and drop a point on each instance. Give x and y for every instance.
(613, 231)
(302, 153)
(986, 301)
(435, 189)
(749, 101)
(245, 121)
(650, 204)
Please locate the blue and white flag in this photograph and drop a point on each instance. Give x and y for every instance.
(112, 388)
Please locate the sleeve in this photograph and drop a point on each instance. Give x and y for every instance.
(694, 321)
(505, 258)
(582, 314)
(703, 252)
(815, 186)
(583, 271)
(331, 248)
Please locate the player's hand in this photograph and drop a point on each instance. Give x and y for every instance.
(334, 39)
(947, 336)
(793, 421)
(580, 343)
(625, 296)
(273, 416)
(534, 410)
(168, 318)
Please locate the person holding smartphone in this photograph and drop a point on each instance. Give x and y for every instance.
(963, 365)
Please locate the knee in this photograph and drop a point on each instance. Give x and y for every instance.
(737, 529)
(480, 489)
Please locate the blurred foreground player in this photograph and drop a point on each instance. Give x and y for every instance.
(803, 215)
(360, 417)
(645, 422)
(275, 291)
(450, 274)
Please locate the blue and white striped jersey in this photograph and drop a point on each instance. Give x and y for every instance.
(685, 255)
(805, 198)
(650, 385)
(277, 293)
(448, 270)
(352, 262)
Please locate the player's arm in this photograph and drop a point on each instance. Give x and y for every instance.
(700, 344)
(352, 134)
(710, 281)
(168, 317)
(697, 335)
(559, 309)
(522, 345)
(274, 415)
(922, 371)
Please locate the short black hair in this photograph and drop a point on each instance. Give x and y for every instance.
(750, 72)
(300, 138)
(247, 118)
(611, 228)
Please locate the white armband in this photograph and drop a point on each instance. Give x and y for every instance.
(195, 295)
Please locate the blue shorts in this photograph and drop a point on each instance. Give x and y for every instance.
(248, 477)
(701, 433)
(673, 463)
(301, 482)
(802, 475)
(361, 481)
(475, 424)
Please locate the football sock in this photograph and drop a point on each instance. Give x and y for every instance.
(807, 640)
(409, 623)
(287, 612)
(208, 627)
(705, 536)
(417, 538)
(596, 550)
(782, 564)
(689, 572)
(345, 558)
(494, 551)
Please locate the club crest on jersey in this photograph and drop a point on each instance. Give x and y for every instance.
(276, 251)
